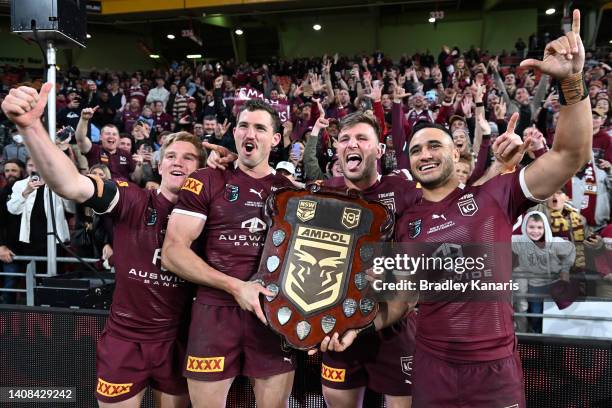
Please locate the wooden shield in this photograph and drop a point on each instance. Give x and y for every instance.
(319, 244)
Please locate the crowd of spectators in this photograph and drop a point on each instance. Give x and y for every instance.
(113, 123)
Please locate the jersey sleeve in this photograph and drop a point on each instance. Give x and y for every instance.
(126, 196)
(194, 196)
(511, 193)
(409, 191)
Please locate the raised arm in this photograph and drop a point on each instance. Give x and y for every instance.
(24, 106)
(564, 61)
(80, 134)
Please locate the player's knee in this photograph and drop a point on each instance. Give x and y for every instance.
(203, 396)
(278, 398)
(392, 401)
(342, 398)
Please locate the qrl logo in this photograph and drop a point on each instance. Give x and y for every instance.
(254, 225)
(468, 207)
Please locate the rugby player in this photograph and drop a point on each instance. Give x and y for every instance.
(143, 342)
(221, 214)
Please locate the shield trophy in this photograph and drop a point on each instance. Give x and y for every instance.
(319, 245)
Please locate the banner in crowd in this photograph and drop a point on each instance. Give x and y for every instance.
(245, 94)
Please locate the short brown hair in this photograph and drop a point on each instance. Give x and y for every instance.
(184, 137)
(253, 105)
(360, 117)
(110, 125)
(467, 160)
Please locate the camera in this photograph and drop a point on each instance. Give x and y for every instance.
(65, 133)
(34, 176)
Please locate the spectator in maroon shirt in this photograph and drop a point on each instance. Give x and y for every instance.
(136, 91)
(161, 120)
(602, 142)
(118, 161)
(418, 113)
(342, 106)
(131, 114)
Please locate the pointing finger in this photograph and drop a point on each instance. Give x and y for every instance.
(576, 22)
(512, 122)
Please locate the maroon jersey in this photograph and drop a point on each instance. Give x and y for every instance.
(119, 163)
(233, 237)
(469, 331)
(396, 190)
(149, 303)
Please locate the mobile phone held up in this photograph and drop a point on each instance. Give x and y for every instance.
(65, 134)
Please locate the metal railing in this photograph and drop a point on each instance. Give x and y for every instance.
(587, 278)
(30, 274)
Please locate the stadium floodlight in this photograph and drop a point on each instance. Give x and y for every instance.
(316, 27)
(550, 11)
(154, 56)
(239, 31)
(170, 36)
(432, 20)
(194, 56)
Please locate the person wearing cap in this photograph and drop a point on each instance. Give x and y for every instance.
(69, 116)
(287, 169)
(159, 93)
(457, 122)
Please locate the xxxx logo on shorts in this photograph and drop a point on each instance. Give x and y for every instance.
(193, 185)
(112, 390)
(205, 364)
(333, 374)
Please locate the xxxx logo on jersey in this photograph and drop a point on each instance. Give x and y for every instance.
(112, 390)
(193, 185)
(205, 364)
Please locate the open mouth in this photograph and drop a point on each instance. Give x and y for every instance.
(177, 173)
(353, 161)
(249, 147)
(427, 167)
(459, 145)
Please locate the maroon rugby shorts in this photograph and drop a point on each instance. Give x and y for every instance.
(381, 361)
(225, 341)
(489, 384)
(124, 368)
